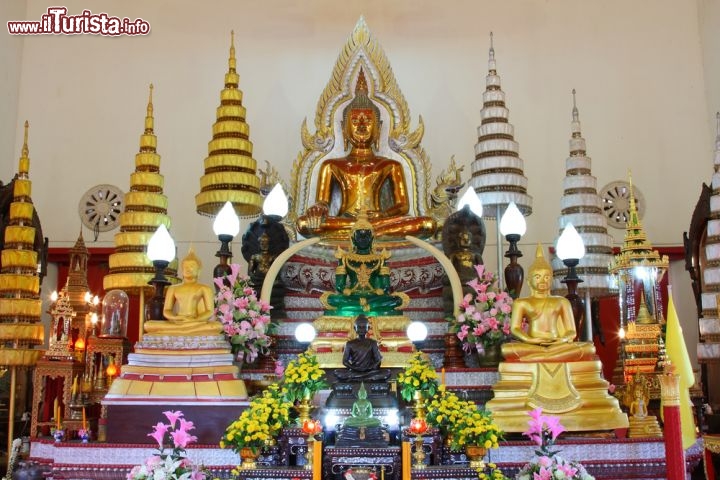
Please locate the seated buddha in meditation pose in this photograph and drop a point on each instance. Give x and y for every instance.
(189, 306)
(361, 356)
(362, 180)
(361, 414)
(550, 330)
(362, 280)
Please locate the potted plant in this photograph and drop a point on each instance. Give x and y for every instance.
(547, 464)
(258, 425)
(302, 378)
(174, 465)
(476, 432)
(418, 382)
(445, 409)
(483, 323)
(246, 319)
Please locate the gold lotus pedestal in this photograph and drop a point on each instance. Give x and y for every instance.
(573, 391)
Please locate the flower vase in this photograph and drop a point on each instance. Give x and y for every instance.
(419, 408)
(249, 458)
(304, 407)
(58, 435)
(475, 454)
(491, 356)
(85, 437)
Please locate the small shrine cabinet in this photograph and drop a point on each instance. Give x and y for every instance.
(59, 373)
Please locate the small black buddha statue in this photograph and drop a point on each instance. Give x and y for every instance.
(362, 357)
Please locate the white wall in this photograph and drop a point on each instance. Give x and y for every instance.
(10, 58)
(640, 69)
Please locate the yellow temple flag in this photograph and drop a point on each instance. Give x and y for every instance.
(677, 353)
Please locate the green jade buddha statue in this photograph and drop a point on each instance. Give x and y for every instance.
(362, 280)
(361, 414)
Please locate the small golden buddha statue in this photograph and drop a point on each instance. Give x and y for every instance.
(550, 324)
(362, 180)
(189, 305)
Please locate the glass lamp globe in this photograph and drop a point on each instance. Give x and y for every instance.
(570, 244)
(417, 332)
(161, 245)
(276, 202)
(226, 222)
(470, 198)
(305, 333)
(512, 222)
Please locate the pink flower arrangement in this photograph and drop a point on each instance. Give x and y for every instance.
(547, 465)
(246, 319)
(484, 317)
(174, 465)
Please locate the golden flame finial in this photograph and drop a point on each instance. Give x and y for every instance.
(24, 163)
(149, 120)
(361, 85)
(231, 61)
(633, 207)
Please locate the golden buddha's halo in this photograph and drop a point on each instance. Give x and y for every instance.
(397, 141)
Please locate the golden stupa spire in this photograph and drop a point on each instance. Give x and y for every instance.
(24, 162)
(230, 170)
(575, 112)
(492, 67)
(232, 63)
(149, 119)
(145, 209)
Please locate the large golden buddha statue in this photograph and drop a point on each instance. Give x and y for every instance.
(547, 369)
(189, 305)
(362, 179)
(550, 331)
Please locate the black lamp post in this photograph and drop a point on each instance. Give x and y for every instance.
(161, 251)
(570, 249)
(513, 226)
(226, 226)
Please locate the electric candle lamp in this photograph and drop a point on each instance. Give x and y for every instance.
(111, 370)
(54, 296)
(80, 344)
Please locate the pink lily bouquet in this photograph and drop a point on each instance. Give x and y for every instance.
(484, 318)
(246, 319)
(548, 465)
(174, 465)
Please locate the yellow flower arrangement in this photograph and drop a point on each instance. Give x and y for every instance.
(476, 427)
(445, 409)
(418, 376)
(303, 377)
(491, 472)
(261, 422)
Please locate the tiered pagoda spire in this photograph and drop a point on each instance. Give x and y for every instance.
(709, 349)
(582, 206)
(497, 172)
(637, 251)
(230, 170)
(20, 308)
(145, 210)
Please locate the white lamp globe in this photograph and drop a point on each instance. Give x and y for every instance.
(305, 333)
(276, 202)
(226, 222)
(161, 245)
(470, 198)
(417, 332)
(512, 221)
(570, 244)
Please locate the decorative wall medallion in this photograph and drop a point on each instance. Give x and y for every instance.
(100, 208)
(616, 203)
